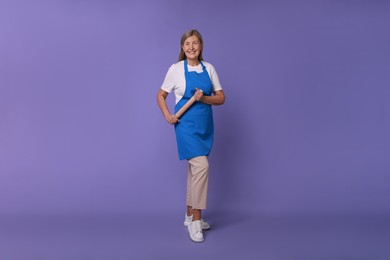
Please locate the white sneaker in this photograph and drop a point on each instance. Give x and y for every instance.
(188, 220)
(195, 231)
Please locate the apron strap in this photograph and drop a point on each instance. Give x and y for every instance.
(185, 66)
(203, 66)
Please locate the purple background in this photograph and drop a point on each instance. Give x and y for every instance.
(303, 132)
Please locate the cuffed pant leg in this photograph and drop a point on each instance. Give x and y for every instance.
(197, 183)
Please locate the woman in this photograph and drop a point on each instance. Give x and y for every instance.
(195, 130)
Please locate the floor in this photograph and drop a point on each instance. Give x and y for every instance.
(233, 236)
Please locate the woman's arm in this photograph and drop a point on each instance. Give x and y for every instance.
(162, 104)
(217, 99)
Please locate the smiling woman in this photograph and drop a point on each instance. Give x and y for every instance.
(192, 47)
(192, 76)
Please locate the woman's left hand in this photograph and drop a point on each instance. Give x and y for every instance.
(198, 95)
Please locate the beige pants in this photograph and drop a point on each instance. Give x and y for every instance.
(197, 182)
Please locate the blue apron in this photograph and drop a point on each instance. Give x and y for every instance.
(195, 131)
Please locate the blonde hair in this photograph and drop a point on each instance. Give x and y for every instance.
(182, 55)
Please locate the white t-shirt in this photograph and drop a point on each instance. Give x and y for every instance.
(175, 79)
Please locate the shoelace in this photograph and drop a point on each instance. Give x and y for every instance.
(197, 228)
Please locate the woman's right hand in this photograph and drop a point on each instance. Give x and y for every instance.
(172, 119)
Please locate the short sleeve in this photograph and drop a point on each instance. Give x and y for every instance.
(215, 79)
(169, 81)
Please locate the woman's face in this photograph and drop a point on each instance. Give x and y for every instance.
(192, 47)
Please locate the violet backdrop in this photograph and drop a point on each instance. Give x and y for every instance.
(304, 128)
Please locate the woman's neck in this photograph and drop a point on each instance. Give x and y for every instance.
(193, 62)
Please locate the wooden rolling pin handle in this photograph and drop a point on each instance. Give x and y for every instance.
(186, 106)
